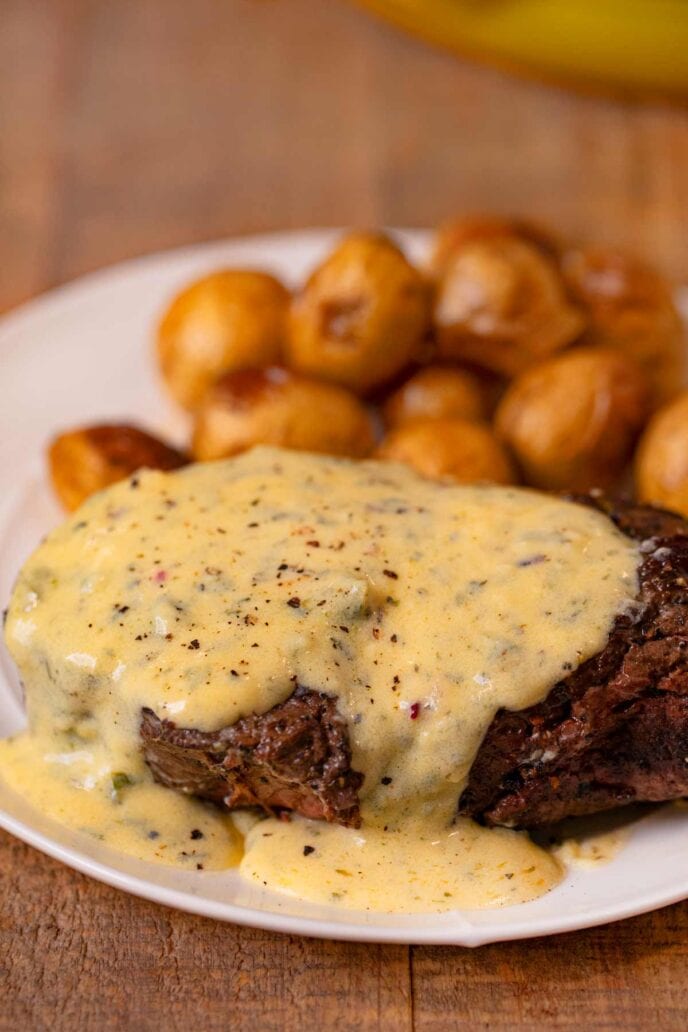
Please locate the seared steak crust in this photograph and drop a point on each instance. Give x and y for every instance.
(295, 757)
(616, 730)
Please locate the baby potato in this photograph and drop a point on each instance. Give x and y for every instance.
(433, 393)
(84, 461)
(275, 406)
(501, 304)
(228, 320)
(361, 317)
(631, 307)
(572, 420)
(661, 462)
(449, 449)
(454, 234)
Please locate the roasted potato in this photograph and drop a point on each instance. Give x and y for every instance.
(572, 420)
(275, 406)
(228, 320)
(433, 393)
(84, 461)
(661, 462)
(449, 449)
(454, 234)
(500, 304)
(631, 307)
(361, 316)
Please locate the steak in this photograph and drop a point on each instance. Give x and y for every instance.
(294, 757)
(613, 732)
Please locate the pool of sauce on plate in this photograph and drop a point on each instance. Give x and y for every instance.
(207, 593)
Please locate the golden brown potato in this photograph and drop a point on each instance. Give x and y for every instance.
(661, 462)
(361, 316)
(631, 307)
(228, 320)
(501, 304)
(275, 406)
(433, 393)
(449, 449)
(452, 235)
(84, 461)
(571, 421)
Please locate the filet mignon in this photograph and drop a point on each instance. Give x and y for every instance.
(615, 731)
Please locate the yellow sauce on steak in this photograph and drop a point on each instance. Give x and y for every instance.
(206, 594)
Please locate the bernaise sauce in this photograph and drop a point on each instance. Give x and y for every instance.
(205, 594)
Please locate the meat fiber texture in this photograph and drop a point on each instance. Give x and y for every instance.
(613, 732)
(294, 757)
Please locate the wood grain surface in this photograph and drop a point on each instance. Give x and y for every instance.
(135, 125)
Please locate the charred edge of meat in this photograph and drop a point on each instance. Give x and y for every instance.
(294, 757)
(615, 731)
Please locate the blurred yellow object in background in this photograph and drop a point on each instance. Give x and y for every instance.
(635, 45)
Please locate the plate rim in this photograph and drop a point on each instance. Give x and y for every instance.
(469, 935)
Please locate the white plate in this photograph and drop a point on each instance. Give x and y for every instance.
(83, 353)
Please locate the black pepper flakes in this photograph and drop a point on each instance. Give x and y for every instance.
(533, 560)
(307, 850)
(294, 602)
(194, 644)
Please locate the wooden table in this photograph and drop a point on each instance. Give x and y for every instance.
(143, 124)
